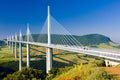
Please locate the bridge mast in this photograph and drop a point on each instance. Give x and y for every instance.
(49, 50)
(20, 52)
(28, 46)
(7, 41)
(12, 44)
(16, 46)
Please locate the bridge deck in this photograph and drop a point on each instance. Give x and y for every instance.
(105, 54)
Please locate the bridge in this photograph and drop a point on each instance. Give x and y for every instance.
(64, 41)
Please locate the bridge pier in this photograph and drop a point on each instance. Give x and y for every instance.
(9, 45)
(111, 62)
(20, 56)
(49, 60)
(28, 55)
(7, 41)
(16, 55)
(28, 46)
(49, 50)
(13, 44)
(16, 50)
(12, 47)
(20, 52)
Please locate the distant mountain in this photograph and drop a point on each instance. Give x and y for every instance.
(92, 40)
(89, 39)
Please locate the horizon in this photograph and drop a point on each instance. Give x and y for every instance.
(78, 17)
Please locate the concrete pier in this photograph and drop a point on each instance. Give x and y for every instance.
(20, 52)
(49, 59)
(12, 44)
(28, 46)
(111, 62)
(49, 51)
(28, 55)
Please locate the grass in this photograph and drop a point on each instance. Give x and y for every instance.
(6, 55)
(38, 59)
(38, 53)
(85, 72)
(109, 45)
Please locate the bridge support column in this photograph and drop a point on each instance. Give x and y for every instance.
(49, 50)
(16, 55)
(20, 56)
(20, 52)
(28, 55)
(7, 42)
(49, 58)
(9, 45)
(111, 62)
(12, 47)
(28, 46)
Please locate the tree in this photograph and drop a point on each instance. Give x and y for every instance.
(26, 74)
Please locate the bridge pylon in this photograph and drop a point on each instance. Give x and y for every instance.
(28, 46)
(10, 43)
(16, 54)
(20, 52)
(13, 44)
(49, 50)
(7, 41)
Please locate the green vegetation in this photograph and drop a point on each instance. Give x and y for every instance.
(93, 39)
(73, 65)
(63, 61)
(117, 66)
(84, 72)
(76, 72)
(56, 72)
(26, 74)
(90, 39)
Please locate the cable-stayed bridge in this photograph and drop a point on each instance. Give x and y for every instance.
(54, 35)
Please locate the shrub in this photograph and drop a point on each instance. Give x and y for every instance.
(26, 74)
(56, 72)
(100, 63)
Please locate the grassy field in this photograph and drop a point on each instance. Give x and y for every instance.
(61, 59)
(85, 72)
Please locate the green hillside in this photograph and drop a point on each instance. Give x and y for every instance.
(89, 39)
(92, 40)
(84, 72)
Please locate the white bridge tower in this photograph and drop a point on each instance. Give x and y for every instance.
(49, 50)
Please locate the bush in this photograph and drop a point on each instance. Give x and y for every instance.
(85, 72)
(26, 74)
(56, 71)
(100, 63)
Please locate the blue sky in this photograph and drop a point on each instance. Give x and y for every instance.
(77, 16)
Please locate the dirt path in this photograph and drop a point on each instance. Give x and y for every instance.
(113, 71)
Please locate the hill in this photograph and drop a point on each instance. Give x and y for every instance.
(92, 40)
(89, 39)
(84, 72)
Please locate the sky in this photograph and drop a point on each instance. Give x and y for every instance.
(79, 17)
